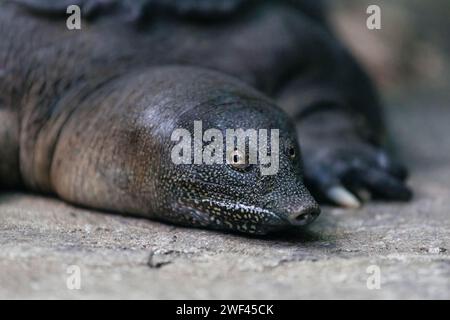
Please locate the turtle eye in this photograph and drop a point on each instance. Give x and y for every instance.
(237, 160)
(291, 152)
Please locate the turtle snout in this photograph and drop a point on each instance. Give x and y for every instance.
(303, 215)
(296, 213)
(294, 205)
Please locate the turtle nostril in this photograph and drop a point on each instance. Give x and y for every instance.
(302, 219)
(304, 216)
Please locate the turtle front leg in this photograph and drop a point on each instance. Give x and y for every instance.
(344, 151)
(343, 167)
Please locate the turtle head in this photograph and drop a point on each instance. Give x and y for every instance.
(237, 166)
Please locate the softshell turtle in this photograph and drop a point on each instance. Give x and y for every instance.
(89, 115)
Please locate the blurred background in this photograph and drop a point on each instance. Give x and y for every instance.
(410, 52)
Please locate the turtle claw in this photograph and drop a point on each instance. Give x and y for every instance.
(343, 197)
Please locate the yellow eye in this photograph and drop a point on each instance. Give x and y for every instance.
(237, 160)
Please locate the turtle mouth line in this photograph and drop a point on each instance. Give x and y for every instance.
(302, 217)
(258, 214)
(237, 216)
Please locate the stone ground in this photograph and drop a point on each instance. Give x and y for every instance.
(122, 257)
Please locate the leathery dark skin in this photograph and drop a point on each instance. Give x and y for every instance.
(87, 115)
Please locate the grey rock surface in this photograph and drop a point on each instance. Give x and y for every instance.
(123, 257)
